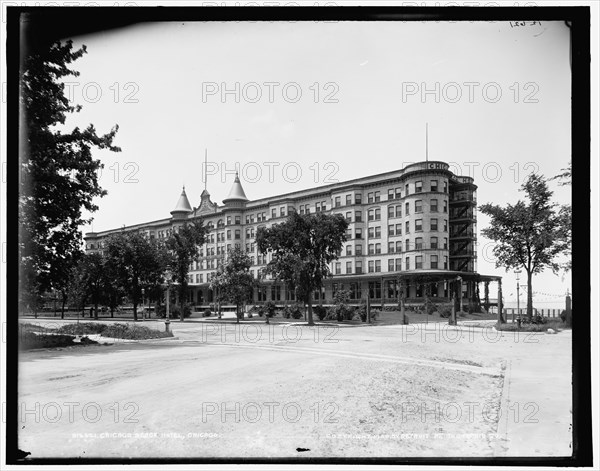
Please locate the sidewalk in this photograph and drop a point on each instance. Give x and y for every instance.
(536, 410)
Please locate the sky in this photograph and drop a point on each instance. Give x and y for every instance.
(298, 105)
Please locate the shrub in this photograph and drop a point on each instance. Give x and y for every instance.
(320, 311)
(445, 312)
(269, 309)
(429, 306)
(361, 312)
(249, 314)
(86, 328)
(207, 313)
(133, 332)
(374, 314)
(176, 310)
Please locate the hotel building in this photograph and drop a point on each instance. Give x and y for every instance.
(412, 230)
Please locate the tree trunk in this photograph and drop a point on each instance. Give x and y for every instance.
(96, 307)
(237, 314)
(310, 312)
(62, 309)
(529, 296)
(135, 318)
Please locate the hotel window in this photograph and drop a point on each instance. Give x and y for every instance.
(390, 265)
(371, 232)
(391, 194)
(407, 208)
(377, 214)
(307, 209)
(377, 266)
(371, 249)
(418, 225)
(398, 229)
(349, 216)
(228, 234)
(445, 225)
(371, 266)
(398, 246)
(359, 249)
(348, 250)
(229, 220)
(418, 243)
(358, 216)
(228, 248)
(434, 224)
(201, 278)
(391, 211)
(407, 245)
(348, 267)
(338, 268)
(377, 249)
(371, 214)
(375, 290)
(391, 230)
(353, 290)
(418, 186)
(338, 201)
(370, 198)
(418, 206)
(301, 209)
(358, 267)
(378, 232)
(238, 219)
(398, 264)
(445, 262)
(434, 262)
(348, 234)
(358, 198)
(282, 211)
(398, 193)
(407, 263)
(398, 210)
(434, 242)
(445, 187)
(391, 247)
(445, 206)
(247, 248)
(377, 196)
(418, 262)
(238, 234)
(323, 206)
(358, 233)
(317, 206)
(434, 185)
(220, 223)
(433, 206)
(445, 243)
(273, 213)
(348, 200)
(407, 231)
(406, 190)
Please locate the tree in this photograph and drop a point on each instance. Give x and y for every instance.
(302, 248)
(139, 263)
(59, 176)
(529, 234)
(234, 281)
(94, 268)
(565, 214)
(183, 245)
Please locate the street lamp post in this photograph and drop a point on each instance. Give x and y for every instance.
(143, 303)
(518, 298)
(167, 313)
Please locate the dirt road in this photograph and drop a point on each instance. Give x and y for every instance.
(289, 391)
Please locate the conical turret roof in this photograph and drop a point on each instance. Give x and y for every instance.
(183, 205)
(237, 192)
